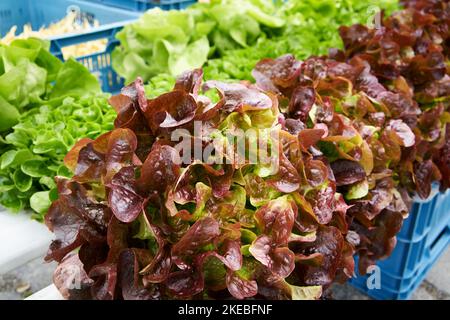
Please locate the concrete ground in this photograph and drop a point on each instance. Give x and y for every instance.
(26, 280)
(36, 275)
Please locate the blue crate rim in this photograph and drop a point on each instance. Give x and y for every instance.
(165, 1)
(92, 31)
(144, 5)
(150, 1)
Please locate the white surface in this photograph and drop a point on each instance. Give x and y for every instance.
(21, 240)
(49, 293)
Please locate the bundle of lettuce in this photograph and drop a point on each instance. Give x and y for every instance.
(177, 202)
(393, 84)
(410, 55)
(175, 41)
(229, 37)
(311, 28)
(45, 107)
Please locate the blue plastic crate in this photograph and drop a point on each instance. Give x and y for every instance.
(401, 288)
(143, 5)
(43, 12)
(424, 237)
(394, 288)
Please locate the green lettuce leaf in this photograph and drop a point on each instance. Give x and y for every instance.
(74, 79)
